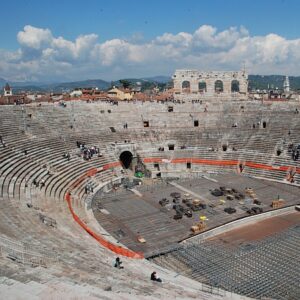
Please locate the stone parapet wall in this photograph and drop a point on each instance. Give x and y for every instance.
(238, 223)
(215, 97)
(187, 84)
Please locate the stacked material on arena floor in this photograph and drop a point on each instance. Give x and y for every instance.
(126, 215)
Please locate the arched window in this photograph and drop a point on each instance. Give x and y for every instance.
(202, 87)
(235, 86)
(219, 86)
(186, 87)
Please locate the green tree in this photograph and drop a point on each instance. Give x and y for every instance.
(125, 83)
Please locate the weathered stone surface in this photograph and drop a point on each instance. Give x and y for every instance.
(194, 84)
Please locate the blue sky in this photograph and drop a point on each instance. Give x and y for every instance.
(130, 28)
(110, 19)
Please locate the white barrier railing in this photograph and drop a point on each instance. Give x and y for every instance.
(25, 253)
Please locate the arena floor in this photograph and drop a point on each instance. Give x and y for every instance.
(127, 215)
(259, 230)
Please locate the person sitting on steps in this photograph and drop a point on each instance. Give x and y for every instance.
(154, 277)
(118, 263)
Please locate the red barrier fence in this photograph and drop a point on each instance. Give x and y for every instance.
(111, 165)
(219, 163)
(116, 249)
(89, 173)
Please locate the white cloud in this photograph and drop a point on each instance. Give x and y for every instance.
(79, 50)
(182, 39)
(34, 38)
(207, 37)
(46, 57)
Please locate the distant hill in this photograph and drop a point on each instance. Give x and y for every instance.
(65, 86)
(273, 81)
(157, 79)
(57, 87)
(147, 83)
(160, 79)
(2, 82)
(27, 88)
(255, 82)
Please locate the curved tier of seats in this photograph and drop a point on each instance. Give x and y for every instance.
(40, 216)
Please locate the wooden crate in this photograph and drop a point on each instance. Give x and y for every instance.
(198, 227)
(277, 203)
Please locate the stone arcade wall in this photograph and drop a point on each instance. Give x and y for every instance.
(186, 85)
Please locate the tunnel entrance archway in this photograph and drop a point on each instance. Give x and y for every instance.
(126, 159)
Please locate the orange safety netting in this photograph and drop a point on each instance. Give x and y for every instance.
(111, 165)
(219, 163)
(116, 249)
(89, 173)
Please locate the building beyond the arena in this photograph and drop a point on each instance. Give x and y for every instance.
(194, 85)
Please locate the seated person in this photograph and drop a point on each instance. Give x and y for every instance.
(118, 263)
(154, 277)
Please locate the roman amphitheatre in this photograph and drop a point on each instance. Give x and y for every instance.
(202, 188)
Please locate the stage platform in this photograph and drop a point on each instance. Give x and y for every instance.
(132, 216)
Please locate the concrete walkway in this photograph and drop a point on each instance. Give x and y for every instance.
(183, 189)
(136, 192)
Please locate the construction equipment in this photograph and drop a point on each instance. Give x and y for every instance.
(196, 201)
(230, 210)
(141, 239)
(198, 227)
(277, 203)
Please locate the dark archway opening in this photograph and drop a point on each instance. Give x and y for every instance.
(219, 86)
(224, 147)
(126, 159)
(202, 87)
(241, 168)
(186, 87)
(235, 86)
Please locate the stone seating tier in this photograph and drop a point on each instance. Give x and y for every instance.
(49, 131)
